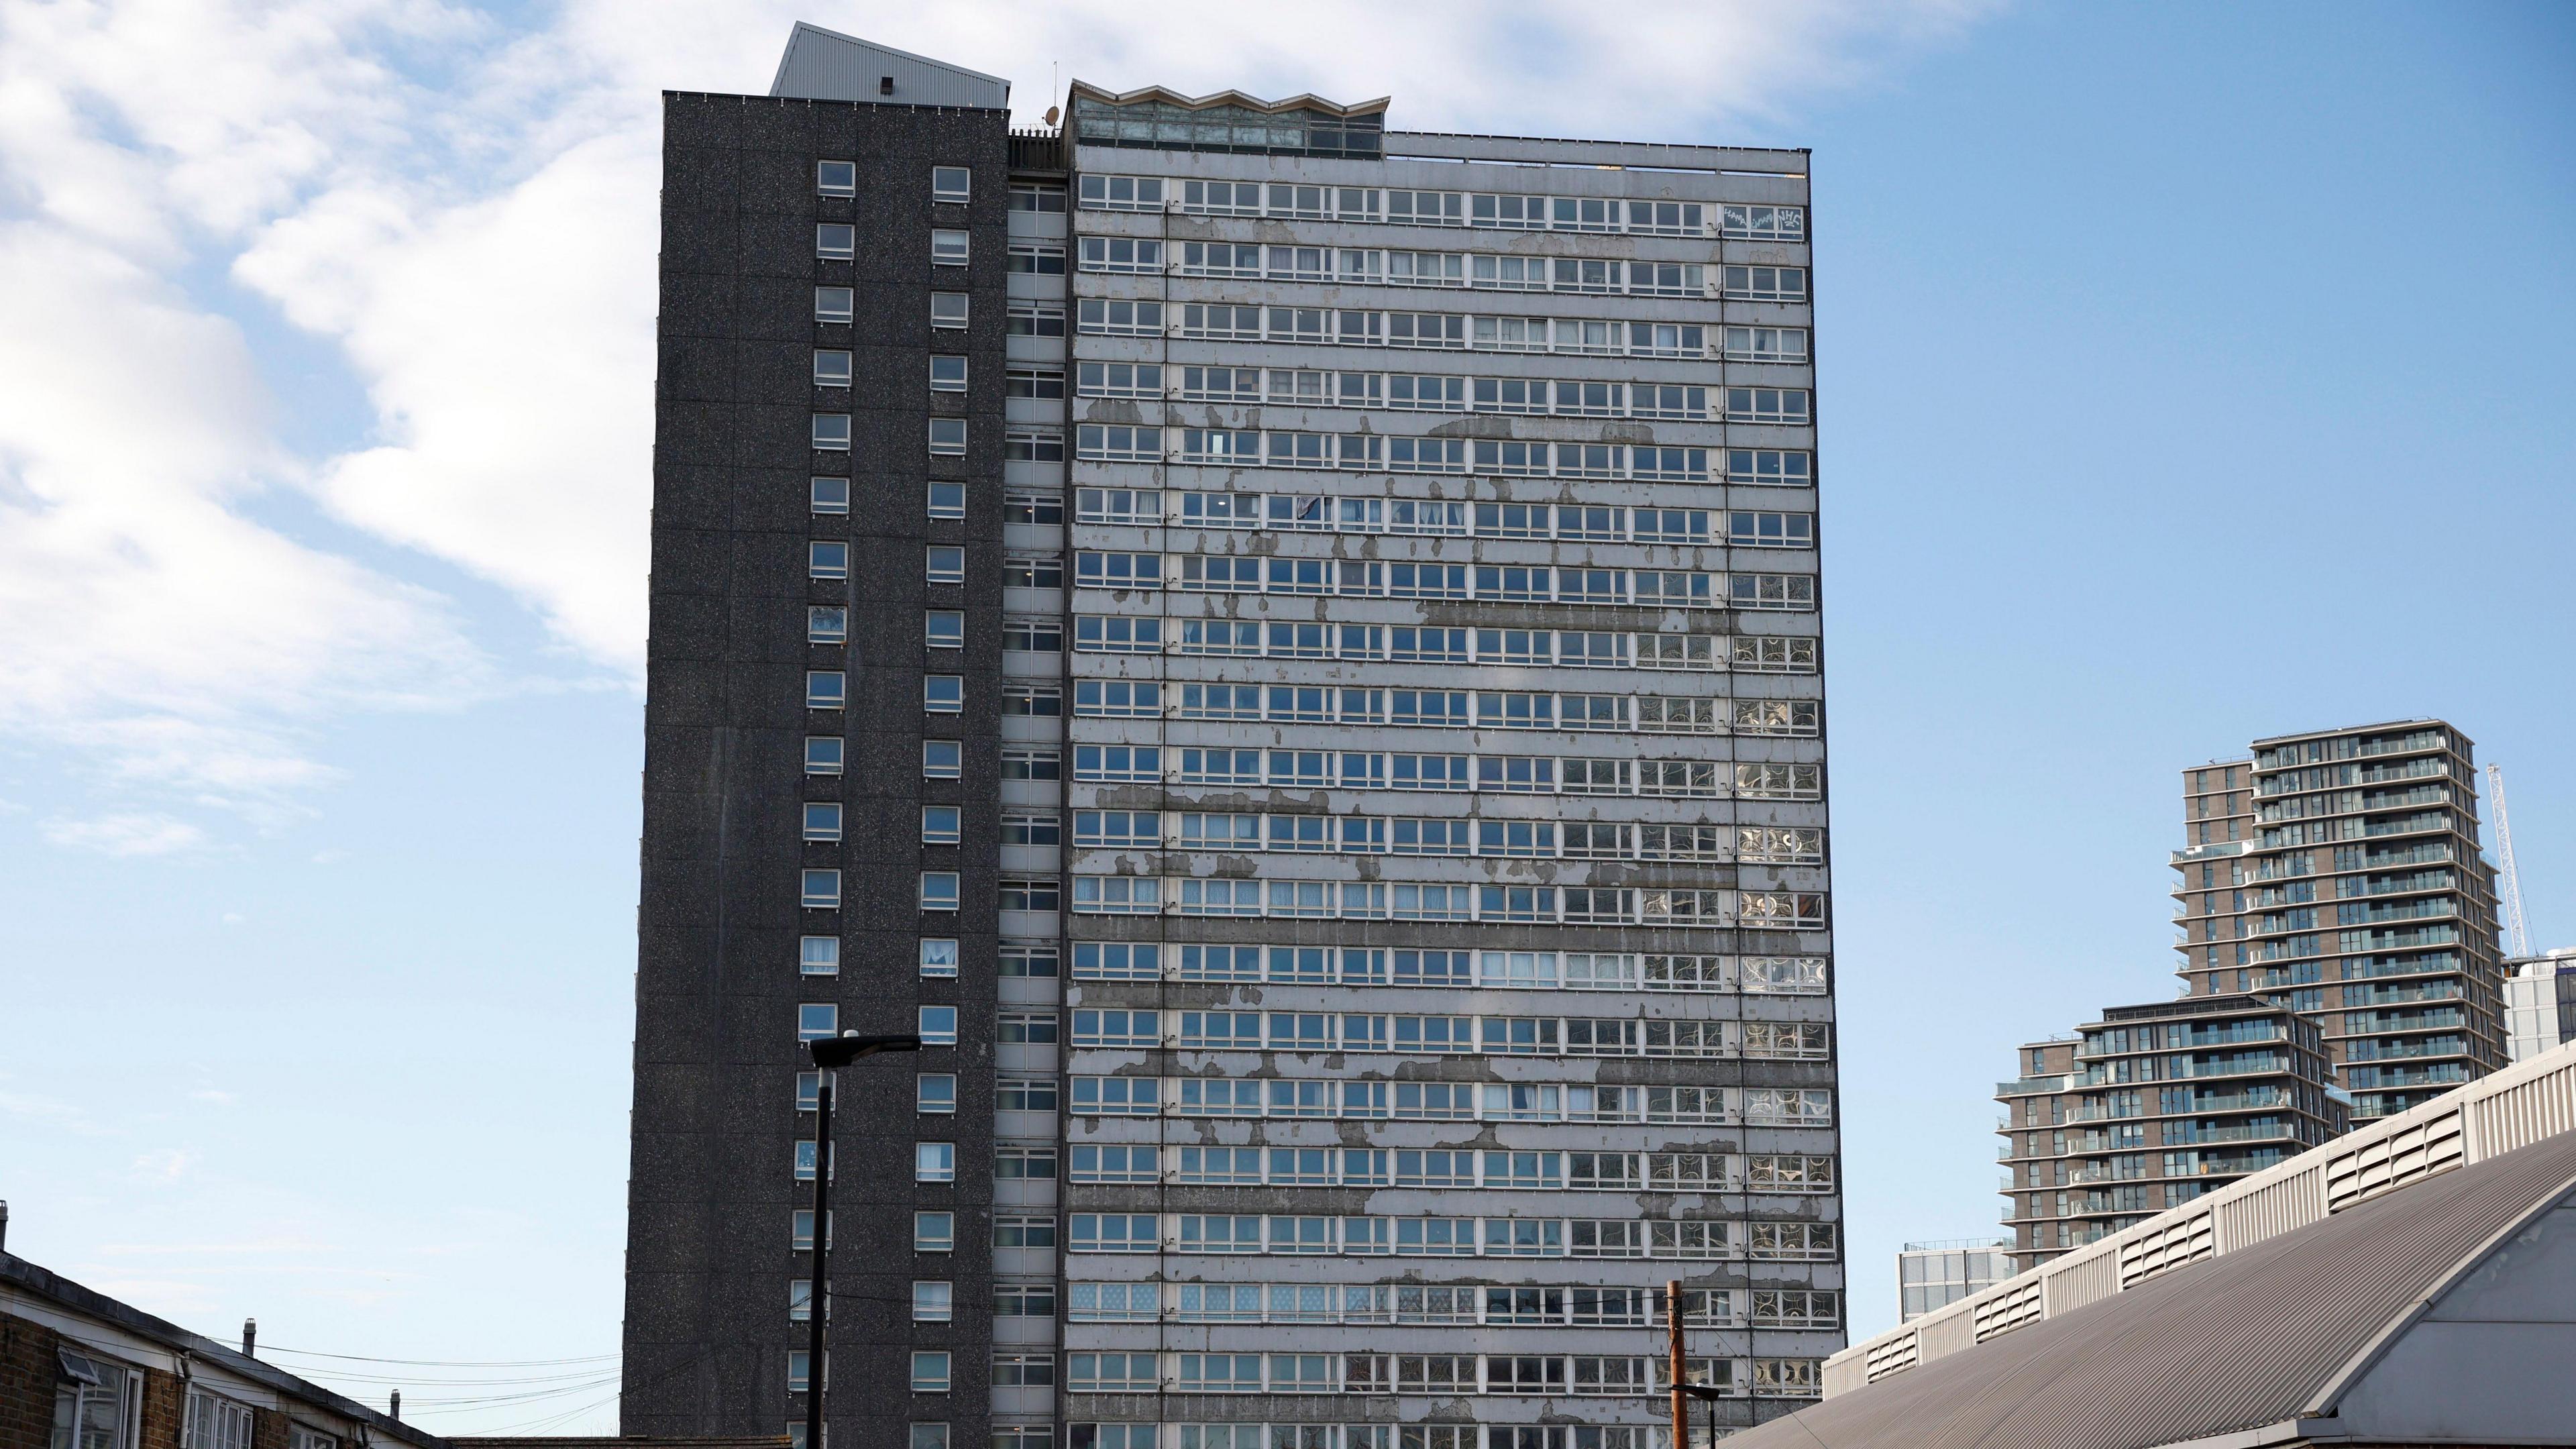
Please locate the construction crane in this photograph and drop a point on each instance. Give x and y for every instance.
(2517, 933)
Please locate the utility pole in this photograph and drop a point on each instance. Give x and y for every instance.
(1673, 1333)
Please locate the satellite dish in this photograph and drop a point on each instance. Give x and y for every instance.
(1051, 115)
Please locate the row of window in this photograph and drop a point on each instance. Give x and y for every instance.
(1319, 704)
(1433, 1035)
(1349, 770)
(1374, 1100)
(1368, 326)
(1429, 392)
(1441, 835)
(839, 242)
(1045, 507)
(1370, 770)
(948, 184)
(1346, 1436)
(1446, 1305)
(1130, 895)
(1370, 266)
(1295, 202)
(949, 311)
(1435, 1237)
(1373, 452)
(1432, 644)
(1446, 1167)
(1222, 573)
(1461, 969)
(1316, 1373)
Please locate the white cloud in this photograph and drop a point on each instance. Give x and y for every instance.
(127, 834)
(482, 256)
(163, 1164)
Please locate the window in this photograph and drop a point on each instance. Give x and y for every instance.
(1034, 382)
(948, 310)
(1122, 193)
(1024, 1370)
(1032, 445)
(212, 1424)
(939, 824)
(835, 240)
(944, 629)
(827, 560)
(948, 500)
(826, 624)
(938, 956)
(831, 368)
(818, 956)
(930, 1371)
(939, 890)
(829, 495)
(928, 1436)
(948, 440)
(944, 563)
(940, 759)
(947, 374)
(934, 1232)
(1032, 895)
(823, 754)
(822, 890)
(836, 178)
(948, 248)
(934, 1093)
(1033, 507)
(826, 689)
(1035, 259)
(951, 184)
(1037, 198)
(1034, 319)
(943, 693)
(934, 1162)
(817, 1019)
(834, 304)
(938, 1026)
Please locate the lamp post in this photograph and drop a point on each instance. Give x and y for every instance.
(829, 1052)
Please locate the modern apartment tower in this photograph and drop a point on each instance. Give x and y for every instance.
(2151, 1106)
(2342, 868)
(1288, 650)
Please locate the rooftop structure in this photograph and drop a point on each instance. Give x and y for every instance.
(2411, 1283)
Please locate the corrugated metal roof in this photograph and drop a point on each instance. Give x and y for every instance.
(2254, 1338)
(825, 65)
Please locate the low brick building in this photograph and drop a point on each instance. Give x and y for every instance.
(81, 1370)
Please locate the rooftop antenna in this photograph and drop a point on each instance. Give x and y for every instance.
(2517, 931)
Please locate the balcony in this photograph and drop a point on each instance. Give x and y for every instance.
(2202, 1137)
(2215, 850)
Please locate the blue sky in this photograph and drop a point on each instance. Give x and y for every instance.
(2186, 373)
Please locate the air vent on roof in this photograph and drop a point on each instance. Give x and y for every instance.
(2394, 1161)
(2001, 1313)
(2171, 1246)
(1894, 1355)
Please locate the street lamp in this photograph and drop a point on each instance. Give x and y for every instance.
(829, 1052)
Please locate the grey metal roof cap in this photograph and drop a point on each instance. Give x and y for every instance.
(2268, 1334)
(825, 65)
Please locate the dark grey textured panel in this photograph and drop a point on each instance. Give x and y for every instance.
(712, 1191)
